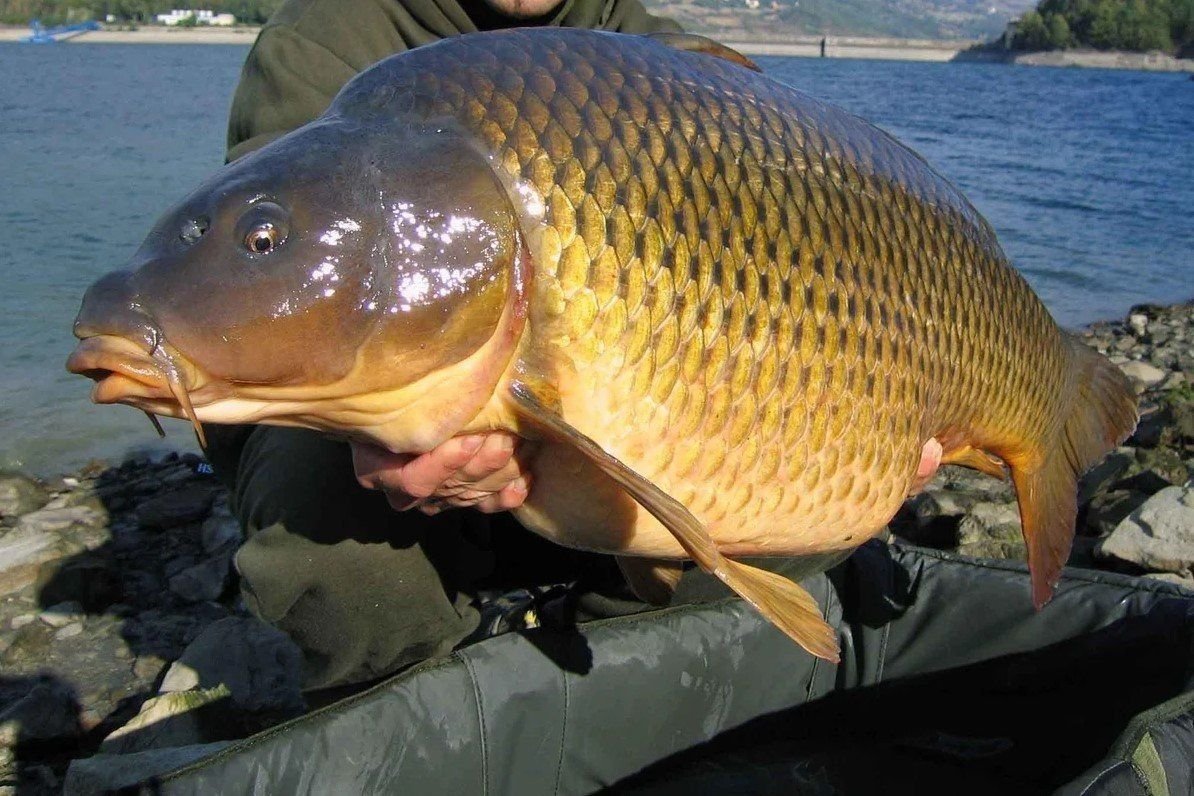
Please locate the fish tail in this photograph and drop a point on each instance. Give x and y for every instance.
(1101, 415)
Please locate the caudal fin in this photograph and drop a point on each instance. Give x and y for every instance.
(1101, 415)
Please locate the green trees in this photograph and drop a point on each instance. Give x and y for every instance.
(1166, 25)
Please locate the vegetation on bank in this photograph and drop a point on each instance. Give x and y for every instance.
(1131, 25)
(57, 12)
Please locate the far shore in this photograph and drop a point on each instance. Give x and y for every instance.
(798, 46)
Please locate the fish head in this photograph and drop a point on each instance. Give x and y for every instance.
(328, 280)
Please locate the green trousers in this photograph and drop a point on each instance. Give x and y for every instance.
(365, 590)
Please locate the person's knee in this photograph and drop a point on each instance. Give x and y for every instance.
(356, 610)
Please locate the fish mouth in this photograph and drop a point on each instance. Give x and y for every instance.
(158, 381)
(123, 371)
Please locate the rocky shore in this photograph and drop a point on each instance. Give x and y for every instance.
(124, 645)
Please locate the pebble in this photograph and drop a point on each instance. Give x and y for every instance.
(1143, 373)
(62, 614)
(70, 631)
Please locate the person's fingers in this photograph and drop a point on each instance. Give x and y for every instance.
(482, 471)
(424, 476)
(508, 498)
(494, 455)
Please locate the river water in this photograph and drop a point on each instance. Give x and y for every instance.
(1087, 175)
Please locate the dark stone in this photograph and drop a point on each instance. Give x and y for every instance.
(1106, 473)
(1164, 464)
(91, 582)
(172, 509)
(1107, 510)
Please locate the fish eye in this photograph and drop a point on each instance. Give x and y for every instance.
(192, 230)
(263, 227)
(262, 238)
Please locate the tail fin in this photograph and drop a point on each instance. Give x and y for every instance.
(1101, 415)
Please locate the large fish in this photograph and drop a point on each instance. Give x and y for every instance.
(741, 321)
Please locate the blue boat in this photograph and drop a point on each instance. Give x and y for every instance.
(43, 35)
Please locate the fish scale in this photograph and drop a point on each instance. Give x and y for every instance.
(718, 244)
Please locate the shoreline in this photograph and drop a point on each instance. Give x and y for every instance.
(795, 46)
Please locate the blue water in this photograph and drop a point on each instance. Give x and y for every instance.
(1087, 175)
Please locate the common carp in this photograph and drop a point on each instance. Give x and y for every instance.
(740, 321)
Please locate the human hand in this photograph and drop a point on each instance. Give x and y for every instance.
(487, 472)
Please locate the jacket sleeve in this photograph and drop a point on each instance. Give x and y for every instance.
(629, 16)
(286, 81)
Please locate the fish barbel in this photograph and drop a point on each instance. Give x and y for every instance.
(740, 321)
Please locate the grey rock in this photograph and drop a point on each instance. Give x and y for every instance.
(259, 664)
(181, 507)
(1143, 373)
(20, 494)
(62, 614)
(1139, 323)
(49, 711)
(204, 581)
(59, 519)
(173, 719)
(18, 622)
(1159, 535)
(105, 773)
(22, 552)
(220, 530)
(70, 631)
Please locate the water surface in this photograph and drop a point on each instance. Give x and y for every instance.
(1087, 175)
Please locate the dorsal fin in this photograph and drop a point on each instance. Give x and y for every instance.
(701, 44)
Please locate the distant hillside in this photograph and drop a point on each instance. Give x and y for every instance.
(730, 19)
(773, 19)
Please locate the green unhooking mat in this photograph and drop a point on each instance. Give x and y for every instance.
(949, 683)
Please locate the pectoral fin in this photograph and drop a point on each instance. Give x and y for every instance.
(784, 603)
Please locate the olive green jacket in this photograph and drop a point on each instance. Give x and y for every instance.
(310, 48)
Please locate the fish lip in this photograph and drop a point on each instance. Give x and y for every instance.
(123, 370)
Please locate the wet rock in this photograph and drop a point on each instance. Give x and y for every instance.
(105, 773)
(20, 494)
(1158, 536)
(204, 581)
(259, 664)
(50, 711)
(172, 719)
(181, 507)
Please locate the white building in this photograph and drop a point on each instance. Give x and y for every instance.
(203, 16)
